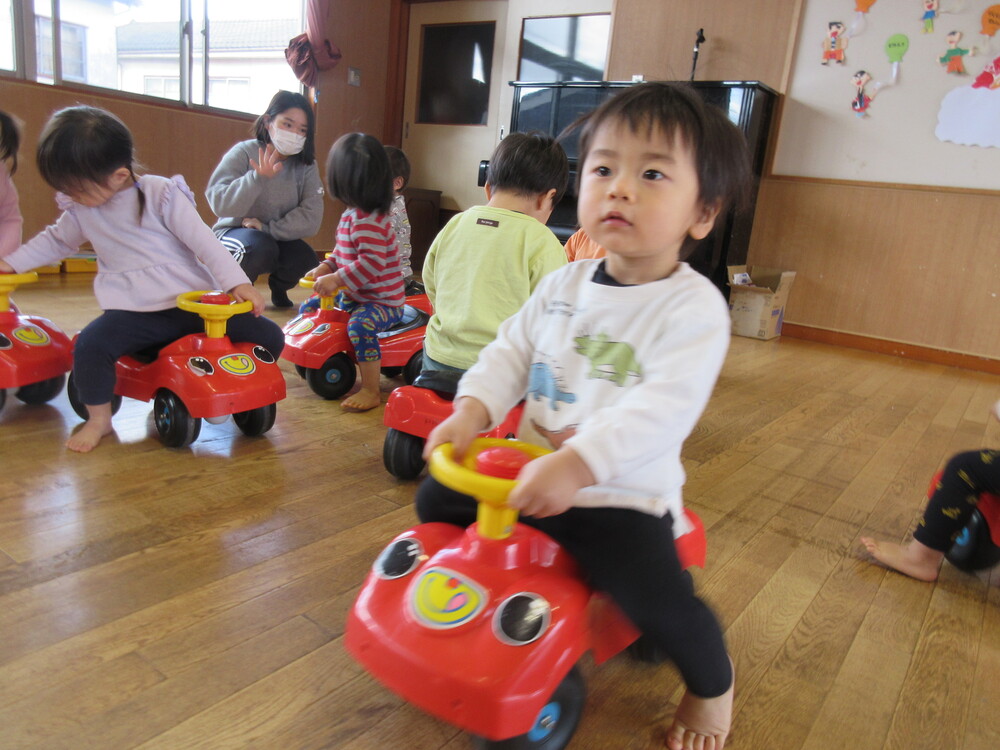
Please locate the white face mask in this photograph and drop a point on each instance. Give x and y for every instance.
(285, 141)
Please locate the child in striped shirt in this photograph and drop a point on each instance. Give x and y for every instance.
(365, 264)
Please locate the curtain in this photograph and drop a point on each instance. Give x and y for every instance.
(311, 52)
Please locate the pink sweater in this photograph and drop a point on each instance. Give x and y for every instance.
(141, 265)
(10, 214)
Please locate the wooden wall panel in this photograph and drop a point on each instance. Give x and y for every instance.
(913, 266)
(744, 40)
(169, 140)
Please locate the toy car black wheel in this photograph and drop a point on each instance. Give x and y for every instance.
(402, 454)
(80, 408)
(555, 724)
(301, 371)
(41, 392)
(256, 421)
(3, 397)
(174, 423)
(974, 548)
(391, 372)
(334, 378)
(413, 367)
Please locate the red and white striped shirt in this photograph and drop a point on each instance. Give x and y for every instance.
(367, 258)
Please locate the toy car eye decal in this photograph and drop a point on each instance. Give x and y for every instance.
(263, 355)
(237, 364)
(31, 335)
(321, 329)
(298, 328)
(200, 366)
(521, 619)
(443, 599)
(5, 342)
(398, 559)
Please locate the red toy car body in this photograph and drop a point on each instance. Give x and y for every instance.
(485, 632)
(35, 354)
(317, 343)
(202, 375)
(412, 411)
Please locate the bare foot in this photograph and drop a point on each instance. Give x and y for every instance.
(702, 723)
(87, 437)
(363, 400)
(914, 559)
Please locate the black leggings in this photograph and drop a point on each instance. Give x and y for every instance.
(118, 332)
(956, 495)
(258, 252)
(631, 556)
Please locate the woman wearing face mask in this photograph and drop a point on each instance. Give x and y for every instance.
(268, 196)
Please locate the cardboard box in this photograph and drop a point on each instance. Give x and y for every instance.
(757, 308)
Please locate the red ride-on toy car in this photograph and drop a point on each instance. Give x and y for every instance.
(317, 343)
(35, 354)
(203, 375)
(412, 411)
(483, 627)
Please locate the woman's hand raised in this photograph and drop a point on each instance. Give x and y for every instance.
(269, 161)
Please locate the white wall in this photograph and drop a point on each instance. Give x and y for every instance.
(820, 135)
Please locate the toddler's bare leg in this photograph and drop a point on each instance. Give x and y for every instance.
(702, 723)
(914, 559)
(368, 396)
(98, 425)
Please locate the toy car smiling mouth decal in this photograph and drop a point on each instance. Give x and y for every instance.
(445, 599)
(237, 364)
(31, 335)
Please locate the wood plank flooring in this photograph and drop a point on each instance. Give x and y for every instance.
(196, 598)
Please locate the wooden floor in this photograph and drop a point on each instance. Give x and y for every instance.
(196, 598)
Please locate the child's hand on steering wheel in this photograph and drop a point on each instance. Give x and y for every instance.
(467, 420)
(548, 485)
(247, 293)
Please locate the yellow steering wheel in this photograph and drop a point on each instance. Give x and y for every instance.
(326, 301)
(214, 315)
(11, 281)
(495, 519)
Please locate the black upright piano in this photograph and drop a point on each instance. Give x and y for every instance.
(551, 107)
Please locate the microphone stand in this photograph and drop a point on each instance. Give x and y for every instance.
(697, 44)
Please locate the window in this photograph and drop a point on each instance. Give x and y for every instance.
(233, 55)
(564, 48)
(73, 44)
(455, 62)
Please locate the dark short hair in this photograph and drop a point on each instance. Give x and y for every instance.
(718, 147)
(399, 165)
(529, 164)
(10, 140)
(83, 144)
(282, 102)
(358, 173)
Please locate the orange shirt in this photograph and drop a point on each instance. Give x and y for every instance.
(581, 247)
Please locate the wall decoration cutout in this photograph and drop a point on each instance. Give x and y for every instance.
(991, 20)
(863, 6)
(930, 13)
(952, 59)
(835, 43)
(895, 48)
(970, 115)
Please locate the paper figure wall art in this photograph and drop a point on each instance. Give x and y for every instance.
(989, 78)
(862, 100)
(931, 8)
(952, 59)
(835, 43)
